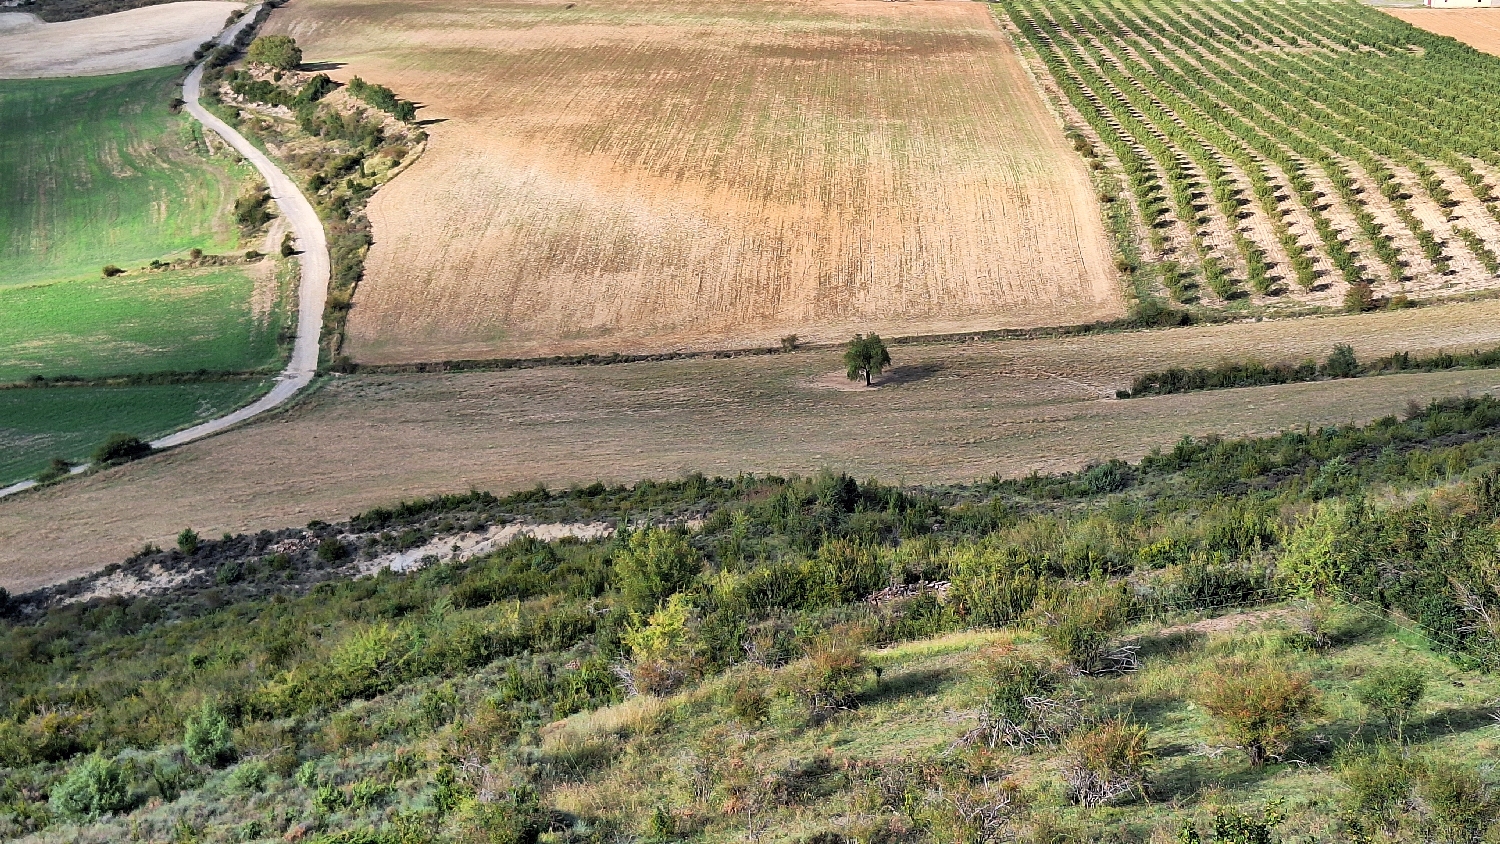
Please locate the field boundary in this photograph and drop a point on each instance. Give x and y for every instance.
(313, 263)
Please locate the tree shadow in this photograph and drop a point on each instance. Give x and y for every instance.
(432, 121)
(923, 682)
(319, 67)
(898, 375)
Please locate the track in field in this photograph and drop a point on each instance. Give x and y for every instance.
(653, 174)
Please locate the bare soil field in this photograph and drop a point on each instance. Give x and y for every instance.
(155, 36)
(1479, 28)
(947, 412)
(644, 175)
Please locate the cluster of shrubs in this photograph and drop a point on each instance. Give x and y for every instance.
(384, 99)
(1341, 363)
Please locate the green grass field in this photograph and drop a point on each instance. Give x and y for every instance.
(70, 422)
(177, 320)
(98, 171)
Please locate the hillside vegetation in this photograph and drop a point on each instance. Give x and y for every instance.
(806, 660)
(1281, 152)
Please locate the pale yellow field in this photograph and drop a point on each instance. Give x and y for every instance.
(950, 412)
(639, 175)
(137, 39)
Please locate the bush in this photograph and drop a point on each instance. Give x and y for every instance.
(121, 448)
(1341, 362)
(207, 740)
(188, 541)
(1022, 707)
(94, 788)
(249, 777)
(1460, 806)
(1392, 691)
(110, 271)
(654, 564)
(1232, 826)
(829, 680)
(1379, 782)
(1080, 623)
(1107, 764)
(278, 51)
(666, 651)
(1260, 707)
(332, 550)
(1360, 297)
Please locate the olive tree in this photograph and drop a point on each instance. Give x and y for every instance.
(278, 51)
(866, 355)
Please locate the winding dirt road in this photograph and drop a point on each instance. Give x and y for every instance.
(312, 247)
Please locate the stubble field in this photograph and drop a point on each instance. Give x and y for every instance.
(950, 412)
(650, 174)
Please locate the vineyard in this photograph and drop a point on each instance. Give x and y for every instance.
(1279, 154)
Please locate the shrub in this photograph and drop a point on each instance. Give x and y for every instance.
(110, 271)
(188, 541)
(1379, 782)
(207, 740)
(654, 564)
(121, 448)
(94, 788)
(1260, 707)
(666, 651)
(829, 680)
(1341, 362)
(249, 777)
(288, 245)
(513, 819)
(1080, 623)
(1360, 297)
(1459, 804)
(1233, 826)
(1107, 764)
(332, 550)
(278, 51)
(1022, 707)
(749, 704)
(1392, 691)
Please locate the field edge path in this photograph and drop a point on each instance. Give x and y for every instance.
(312, 259)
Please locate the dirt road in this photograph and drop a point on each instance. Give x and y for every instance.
(307, 229)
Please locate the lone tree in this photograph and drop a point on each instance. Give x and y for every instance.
(278, 51)
(866, 355)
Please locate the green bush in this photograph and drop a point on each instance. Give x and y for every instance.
(248, 777)
(1108, 763)
(1081, 623)
(1392, 691)
(121, 448)
(654, 564)
(96, 787)
(188, 541)
(207, 740)
(278, 51)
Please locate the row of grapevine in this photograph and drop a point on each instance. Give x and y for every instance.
(1263, 139)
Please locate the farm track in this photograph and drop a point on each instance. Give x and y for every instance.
(951, 411)
(313, 261)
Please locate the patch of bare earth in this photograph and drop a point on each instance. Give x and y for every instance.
(1479, 28)
(961, 411)
(645, 175)
(154, 36)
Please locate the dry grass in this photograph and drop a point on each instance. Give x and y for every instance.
(155, 36)
(952, 412)
(653, 174)
(1479, 28)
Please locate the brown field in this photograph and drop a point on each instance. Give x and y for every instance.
(642, 175)
(950, 412)
(1479, 28)
(137, 39)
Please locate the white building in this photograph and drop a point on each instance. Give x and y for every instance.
(1461, 4)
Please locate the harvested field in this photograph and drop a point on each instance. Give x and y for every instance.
(1479, 28)
(640, 175)
(954, 411)
(155, 36)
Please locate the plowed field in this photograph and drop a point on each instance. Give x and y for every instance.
(650, 174)
(1479, 28)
